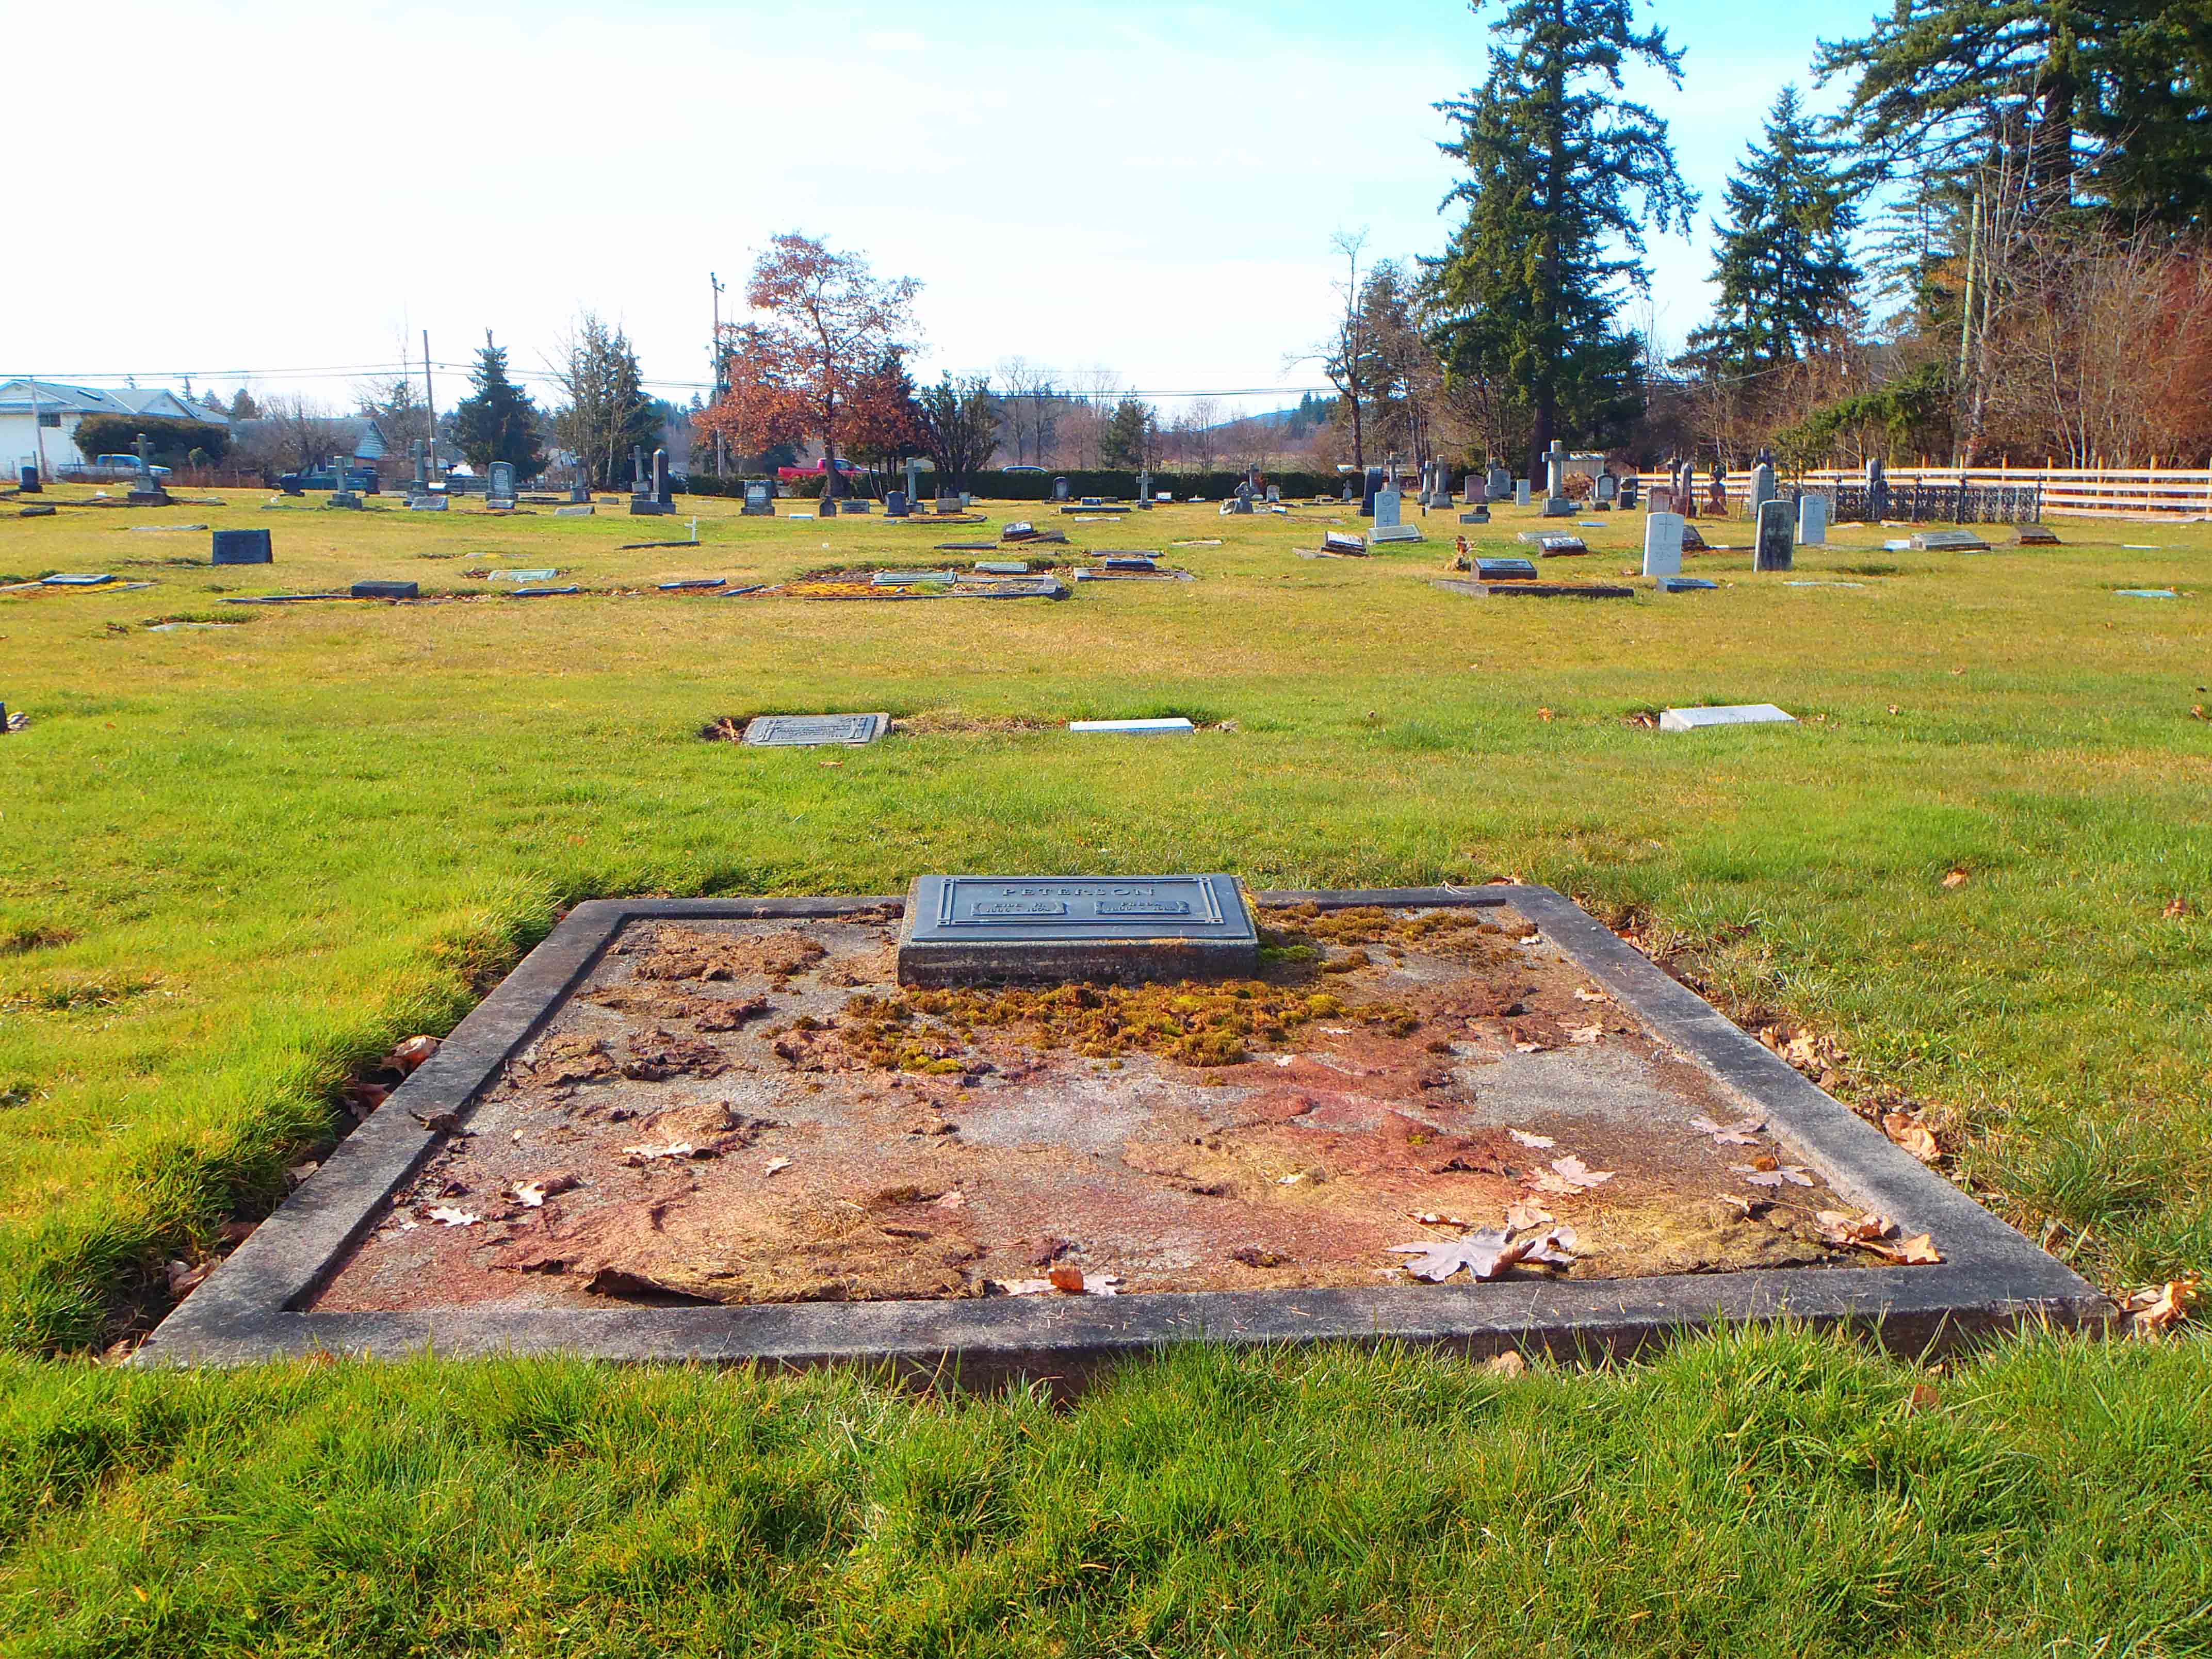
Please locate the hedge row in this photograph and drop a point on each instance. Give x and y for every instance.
(169, 440)
(1002, 486)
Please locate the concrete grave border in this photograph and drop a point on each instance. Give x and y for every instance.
(1992, 1278)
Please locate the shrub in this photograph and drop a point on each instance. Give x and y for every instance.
(171, 440)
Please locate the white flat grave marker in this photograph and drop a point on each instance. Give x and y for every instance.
(814, 731)
(2146, 594)
(1135, 728)
(1742, 713)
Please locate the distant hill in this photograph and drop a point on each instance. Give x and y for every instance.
(1308, 412)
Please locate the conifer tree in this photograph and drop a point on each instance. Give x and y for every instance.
(497, 421)
(1784, 263)
(1129, 438)
(1558, 161)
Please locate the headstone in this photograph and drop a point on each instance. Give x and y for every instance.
(1126, 929)
(828, 508)
(1687, 585)
(1386, 507)
(1762, 487)
(574, 510)
(342, 481)
(1877, 489)
(1606, 489)
(27, 480)
(895, 504)
(1745, 714)
(1948, 541)
(1519, 492)
(243, 547)
(947, 506)
(146, 491)
(637, 484)
(1662, 500)
(1662, 545)
(814, 731)
(428, 501)
(652, 498)
(1556, 504)
(1478, 513)
(1174, 726)
(759, 504)
(1274, 492)
(1499, 484)
(1777, 537)
(1394, 533)
(385, 591)
(1716, 495)
(859, 504)
(1060, 489)
(1812, 519)
(499, 488)
(2036, 535)
(1505, 570)
(1145, 489)
(660, 493)
(1373, 484)
(1629, 486)
(1351, 495)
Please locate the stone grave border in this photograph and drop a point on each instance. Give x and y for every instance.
(1992, 1278)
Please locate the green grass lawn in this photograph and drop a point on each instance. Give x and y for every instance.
(236, 861)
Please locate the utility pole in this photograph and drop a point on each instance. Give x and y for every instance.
(429, 405)
(721, 451)
(38, 437)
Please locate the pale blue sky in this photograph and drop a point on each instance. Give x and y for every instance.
(1147, 189)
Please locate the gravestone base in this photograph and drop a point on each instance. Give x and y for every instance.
(149, 498)
(644, 506)
(1558, 506)
(816, 1228)
(345, 502)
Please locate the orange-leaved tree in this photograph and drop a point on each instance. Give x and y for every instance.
(821, 327)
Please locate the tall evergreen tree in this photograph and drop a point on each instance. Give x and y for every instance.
(1784, 263)
(498, 422)
(2107, 103)
(608, 412)
(1557, 160)
(959, 422)
(1129, 438)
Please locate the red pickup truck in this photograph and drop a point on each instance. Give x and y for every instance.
(793, 474)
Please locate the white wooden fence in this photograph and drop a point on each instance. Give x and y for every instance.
(2139, 492)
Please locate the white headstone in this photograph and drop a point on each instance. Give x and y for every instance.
(1386, 506)
(1744, 714)
(1662, 545)
(1812, 520)
(1519, 492)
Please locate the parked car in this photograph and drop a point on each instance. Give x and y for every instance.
(1021, 469)
(105, 469)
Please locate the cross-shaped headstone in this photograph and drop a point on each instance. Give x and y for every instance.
(144, 447)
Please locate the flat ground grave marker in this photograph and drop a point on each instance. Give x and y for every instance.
(1011, 587)
(2035, 535)
(1383, 535)
(1518, 589)
(1000, 567)
(373, 590)
(1176, 726)
(815, 731)
(682, 1141)
(1685, 585)
(1505, 570)
(69, 579)
(965, 930)
(1948, 541)
(909, 578)
(1744, 714)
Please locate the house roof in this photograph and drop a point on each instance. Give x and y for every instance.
(53, 398)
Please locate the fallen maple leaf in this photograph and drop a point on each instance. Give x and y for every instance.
(2178, 909)
(1526, 1215)
(1795, 1174)
(2155, 1311)
(1585, 1033)
(1536, 1143)
(1877, 1234)
(1567, 1175)
(1956, 879)
(1508, 1364)
(1839, 1227)
(776, 1166)
(1066, 1279)
(407, 1055)
(1486, 1254)
(1915, 1136)
(1093, 1285)
(1744, 1132)
(1918, 1251)
(185, 1277)
(452, 1218)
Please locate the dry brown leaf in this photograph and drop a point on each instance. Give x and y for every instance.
(185, 1277)
(1956, 879)
(1915, 1136)
(1544, 714)
(1527, 1215)
(1838, 1227)
(2178, 909)
(1744, 1132)
(448, 1217)
(532, 1193)
(1486, 1254)
(1538, 1143)
(1585, 1033)
(776, 1166)
(2155, 1311)
(1069, 1279)
(407, 1055)
(1918, 1251)
(1508, 1364)
(1795, 1174)
(1923, 1398)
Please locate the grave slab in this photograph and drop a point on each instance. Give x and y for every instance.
(1948, 541)
(1158, 728)
(1523, 589)
(241, 547)
(1012, 587)
(815, 731)
(663, 1161)
(1745, 713)
(1685, 585)
(373, 590)
(2035, 535)
(1505, 570)
(965, 930)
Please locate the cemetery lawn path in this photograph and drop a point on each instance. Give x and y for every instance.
(241, 856)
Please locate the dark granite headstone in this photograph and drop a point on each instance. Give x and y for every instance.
(895, 504)
(815, 731)
(1049, 929)
(1505, 570)
(1778, 537)
(28, 476)
(759, 504)
(243, 547)
(1374, 486)
(385, 591)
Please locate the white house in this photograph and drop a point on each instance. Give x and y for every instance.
(39, 418)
